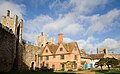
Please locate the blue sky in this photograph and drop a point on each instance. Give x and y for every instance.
(91, 23)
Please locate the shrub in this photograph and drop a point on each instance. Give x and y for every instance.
(80, 69)
(61, 70)
(70, 70)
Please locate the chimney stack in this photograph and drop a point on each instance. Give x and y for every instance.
(8, 12)
(60, 38)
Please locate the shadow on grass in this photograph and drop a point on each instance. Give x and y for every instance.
(33, 72)
(108, 72)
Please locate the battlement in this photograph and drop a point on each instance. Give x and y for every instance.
(6, 28)
(12, 25)
(42, 40)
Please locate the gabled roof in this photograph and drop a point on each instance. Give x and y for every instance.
(83, 62)
(52, 48)
(69, 46)
(42, 49)
(96, 56)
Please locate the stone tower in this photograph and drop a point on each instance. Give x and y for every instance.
(42, 40)
(13, 24)
(9, 22)
(102, 51)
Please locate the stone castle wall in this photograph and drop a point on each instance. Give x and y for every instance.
(7, 50)
(11, 47)
(28, 56)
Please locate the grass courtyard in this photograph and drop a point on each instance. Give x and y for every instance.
(108, 72)
(34, 72)
(113, 71)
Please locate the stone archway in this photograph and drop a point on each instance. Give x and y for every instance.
(32, 66)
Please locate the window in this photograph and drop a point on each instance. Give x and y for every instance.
(75, 66)
(46, 51)
(47, 42)
(35, 57)
(53, 56)
(61, 56)
(41, 44)
(41, 58)
(61, 49)
(75, 57)
(53, 66)
(47, 57)
(62, 66)
(104, 51)
(47, 65)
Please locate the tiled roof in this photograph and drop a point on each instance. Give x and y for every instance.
(96, 56)
(42, 49)
(69, 46)
(83, 62)
(52, 48)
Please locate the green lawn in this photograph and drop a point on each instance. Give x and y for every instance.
(108, 72)
(35, 72)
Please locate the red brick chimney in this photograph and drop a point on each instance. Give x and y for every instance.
(60, 38)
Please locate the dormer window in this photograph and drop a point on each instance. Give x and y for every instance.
(46, 51)
(61, 49)
(47, 42)
(41, 44)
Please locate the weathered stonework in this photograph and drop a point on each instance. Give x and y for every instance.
(28, 56)
(7, 50)
(10, 43)
(42, 40)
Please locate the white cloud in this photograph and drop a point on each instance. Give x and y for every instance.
(73, 29)
(99, 23)
(91, 44)
(85, 6)
(59, 6)
(110, 44)
(66, 25)
(35, 25)
(14, 8)
(30, 37)
(76, 6)
(67, 40)
(87, 44)
(33, 28)
(70, 23)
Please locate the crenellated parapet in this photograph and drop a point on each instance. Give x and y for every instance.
(12, 25)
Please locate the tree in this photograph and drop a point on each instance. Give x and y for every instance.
(100, 63)
(111, 62)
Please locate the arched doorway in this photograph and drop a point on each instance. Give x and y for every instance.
(32, 66)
